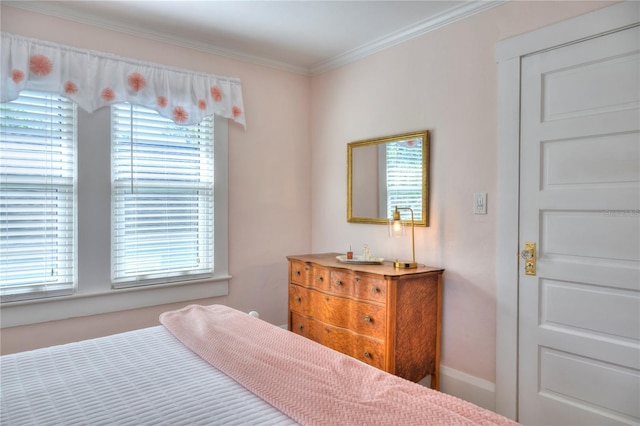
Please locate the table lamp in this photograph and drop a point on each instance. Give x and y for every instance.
(395, 228)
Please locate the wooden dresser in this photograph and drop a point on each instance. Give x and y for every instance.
(389, 318)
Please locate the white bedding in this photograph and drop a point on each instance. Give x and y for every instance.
(143, 377)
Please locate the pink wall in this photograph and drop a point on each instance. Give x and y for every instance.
(269, 180)
(446, 82)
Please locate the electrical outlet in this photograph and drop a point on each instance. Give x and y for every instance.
(480, 203)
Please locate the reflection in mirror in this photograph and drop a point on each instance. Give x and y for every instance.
(387, 172)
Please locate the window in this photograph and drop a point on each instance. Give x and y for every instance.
(80, 216)
(161, 198)
(37, 197)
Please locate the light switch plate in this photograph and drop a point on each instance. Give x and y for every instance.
(480, 203)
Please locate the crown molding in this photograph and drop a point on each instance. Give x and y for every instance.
(432, 23)
(460, 12)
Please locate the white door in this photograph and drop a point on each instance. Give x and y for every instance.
(579, 316)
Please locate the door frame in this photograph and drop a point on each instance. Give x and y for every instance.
(509, 54)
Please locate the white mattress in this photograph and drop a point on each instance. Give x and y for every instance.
(143, 377)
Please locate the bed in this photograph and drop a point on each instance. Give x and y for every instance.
(213, 365)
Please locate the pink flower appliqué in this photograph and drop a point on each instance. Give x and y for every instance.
(107, 94)
(216, 94)
(180, 115)
(162, 101)
(137, 81)
(40, 65)
(202, 104)
(70, 88)
(236, 111)
(17, 76)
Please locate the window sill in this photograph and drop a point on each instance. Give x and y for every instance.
(78, 305)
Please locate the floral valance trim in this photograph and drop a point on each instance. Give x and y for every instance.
(94, 80)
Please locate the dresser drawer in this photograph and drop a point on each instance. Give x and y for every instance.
(361, 317)
(299, 300)
(366, 349)
(310, 275)
(300, 272)
(359, 286)
(304, 326)
(320, 278)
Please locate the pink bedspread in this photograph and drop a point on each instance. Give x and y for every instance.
(310, 383)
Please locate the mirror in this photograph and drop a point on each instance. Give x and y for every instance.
(387, 172)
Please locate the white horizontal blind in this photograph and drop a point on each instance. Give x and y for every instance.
(404, 178)
(162, 198)
(37, 196)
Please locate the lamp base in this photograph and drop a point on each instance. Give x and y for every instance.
(404, 264)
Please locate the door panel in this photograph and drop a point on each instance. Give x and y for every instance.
(613, 318)
(564, 95)
(588, 383)
(579, 317)
(604, 161)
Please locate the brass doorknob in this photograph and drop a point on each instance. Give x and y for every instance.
(526, 254)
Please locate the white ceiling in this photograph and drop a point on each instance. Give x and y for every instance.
(299, 36)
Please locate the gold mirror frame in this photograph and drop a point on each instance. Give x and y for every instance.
(424, 136)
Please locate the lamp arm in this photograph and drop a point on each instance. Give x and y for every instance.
(413, 238)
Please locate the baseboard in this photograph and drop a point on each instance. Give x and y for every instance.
(470, 388)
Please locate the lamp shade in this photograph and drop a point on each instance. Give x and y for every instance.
(397, 228)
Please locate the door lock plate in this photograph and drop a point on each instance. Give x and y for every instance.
(529, 256)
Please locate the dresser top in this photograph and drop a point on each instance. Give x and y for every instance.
(386, 268)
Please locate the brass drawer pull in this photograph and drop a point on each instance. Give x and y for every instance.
(367, 354)
(298, 299)
(376, 289)
(357, 278)
(320, 278)
(300, 327)
(298, 273)
(339, 283)
(367, 318)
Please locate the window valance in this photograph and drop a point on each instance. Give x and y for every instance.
(94, 80)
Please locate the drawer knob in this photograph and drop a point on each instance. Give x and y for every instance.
(339, 283)
(320, 278)
(357, 278)
(306, 268)
(367, 354)
(367, 318)
(298, 299)
(376, 289)
(300, 327)
(298, 273)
